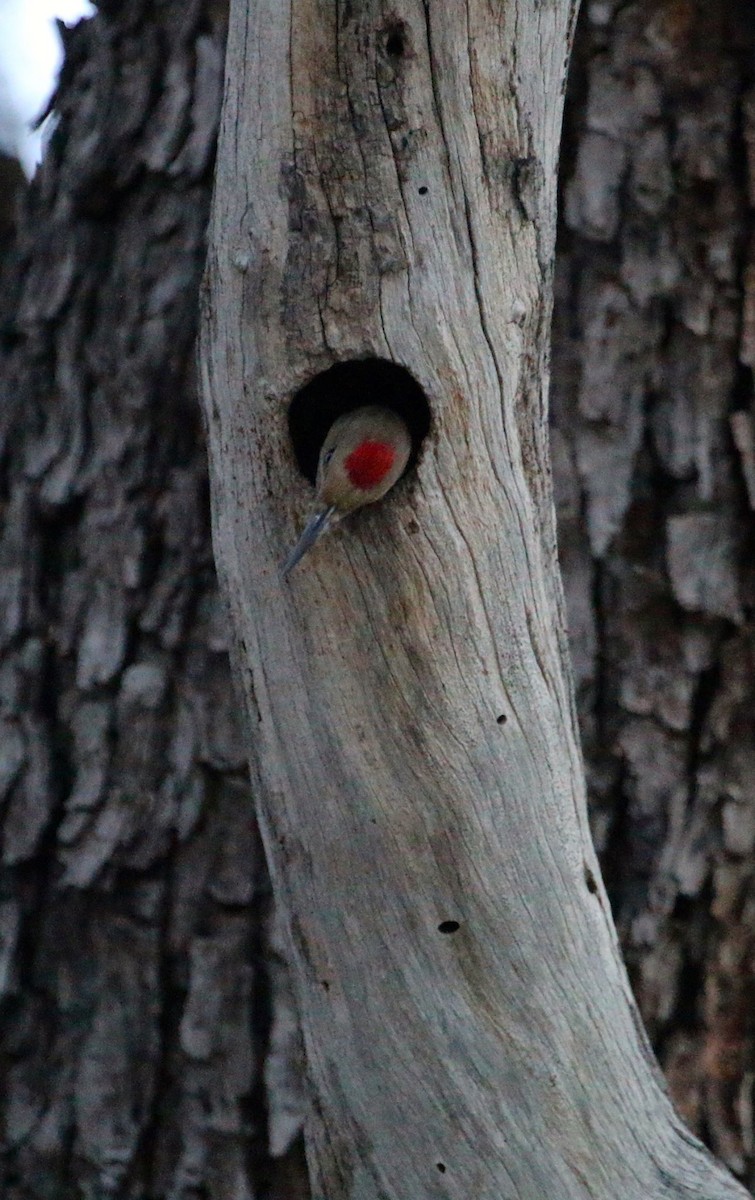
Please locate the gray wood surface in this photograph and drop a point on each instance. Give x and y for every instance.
(505, 1058)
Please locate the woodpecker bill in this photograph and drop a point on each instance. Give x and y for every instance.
(363, 455)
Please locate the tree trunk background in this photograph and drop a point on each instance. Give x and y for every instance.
(135, 997)
(652, 442)
(134, 955)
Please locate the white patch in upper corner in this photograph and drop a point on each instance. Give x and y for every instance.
(30, 57)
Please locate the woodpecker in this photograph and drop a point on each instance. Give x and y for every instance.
(363, 455)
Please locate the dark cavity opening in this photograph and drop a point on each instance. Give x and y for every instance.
(344, 387)
(448, 926)
(591, 881)
(395, 43)
(441, 1167)
(422, 190)
(501, 720)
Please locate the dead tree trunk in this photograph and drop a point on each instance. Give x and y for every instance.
(386, 188)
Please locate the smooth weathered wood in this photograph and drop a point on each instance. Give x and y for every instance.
(386, 186)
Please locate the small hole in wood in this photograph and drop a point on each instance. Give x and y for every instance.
(502, 719)
(590, 880)
(422, 190)
(441, 1167)
(344, 387)
(395, 43)
(448, 926)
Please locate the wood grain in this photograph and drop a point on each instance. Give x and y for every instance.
(386, 185)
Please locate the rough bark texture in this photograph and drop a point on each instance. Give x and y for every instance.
(133, 887)
(653, 457)
(386, 186)
(11, 184)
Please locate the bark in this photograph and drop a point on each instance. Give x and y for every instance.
(653, 453)
(134, 893)
(386, 187)
(11, 183)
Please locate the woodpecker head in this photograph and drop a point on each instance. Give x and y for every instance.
(363, 455)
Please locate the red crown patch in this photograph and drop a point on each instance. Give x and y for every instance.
(369, 463)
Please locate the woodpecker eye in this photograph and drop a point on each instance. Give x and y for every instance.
(328, 455)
